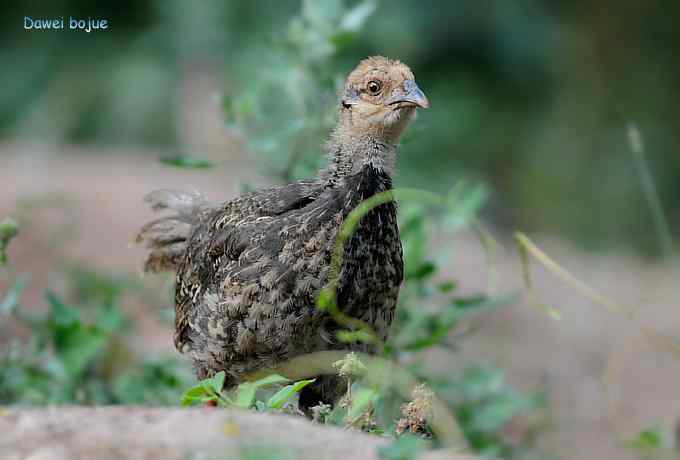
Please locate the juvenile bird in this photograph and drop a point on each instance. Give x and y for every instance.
(249, 270)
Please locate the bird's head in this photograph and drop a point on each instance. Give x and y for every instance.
(379, 99)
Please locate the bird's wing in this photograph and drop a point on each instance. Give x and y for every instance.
(223, 234)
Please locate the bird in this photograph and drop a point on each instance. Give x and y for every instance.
(249, 271)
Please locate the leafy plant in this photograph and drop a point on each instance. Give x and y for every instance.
(286, 393)
(8, 230)
(206, 391)
(209, 391)
(70, 359)
(284, 116)
(485, 404)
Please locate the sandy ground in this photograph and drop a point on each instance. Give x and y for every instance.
(135, 433)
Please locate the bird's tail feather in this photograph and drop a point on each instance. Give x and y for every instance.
(166, 237)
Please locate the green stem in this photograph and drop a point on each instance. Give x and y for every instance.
(649, 190)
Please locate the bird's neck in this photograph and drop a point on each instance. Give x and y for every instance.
(349, 154)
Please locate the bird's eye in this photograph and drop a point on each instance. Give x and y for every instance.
(374, 87)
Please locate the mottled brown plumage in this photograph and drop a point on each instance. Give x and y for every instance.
(249, 270)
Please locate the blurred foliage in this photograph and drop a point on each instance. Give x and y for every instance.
(187, 162)
(647, 441)
(486, 406)
(532, 96)
(77, 352)
(655, 443)
(8, 230)
(285, 114)
(209, 391)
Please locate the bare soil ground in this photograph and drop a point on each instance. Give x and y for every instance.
(135, 433)
(605, 381)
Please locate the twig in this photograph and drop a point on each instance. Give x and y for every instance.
(490, 249)
(525, 244)
(527, 247)
(663, 232)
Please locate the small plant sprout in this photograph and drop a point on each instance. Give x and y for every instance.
(207, 391)
(350, 367)
(359, 407)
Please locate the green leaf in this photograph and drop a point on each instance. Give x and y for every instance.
(216, 382)
(244, 396)
(206, 390)
(193, 395)
(272, 379)
(77, 347)
(187, 162)
(8, 230)
(284, 394)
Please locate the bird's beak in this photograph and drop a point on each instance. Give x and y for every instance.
(412, 96)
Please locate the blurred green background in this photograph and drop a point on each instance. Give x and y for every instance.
(531, 96)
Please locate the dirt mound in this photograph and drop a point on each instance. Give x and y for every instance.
(135, 433)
